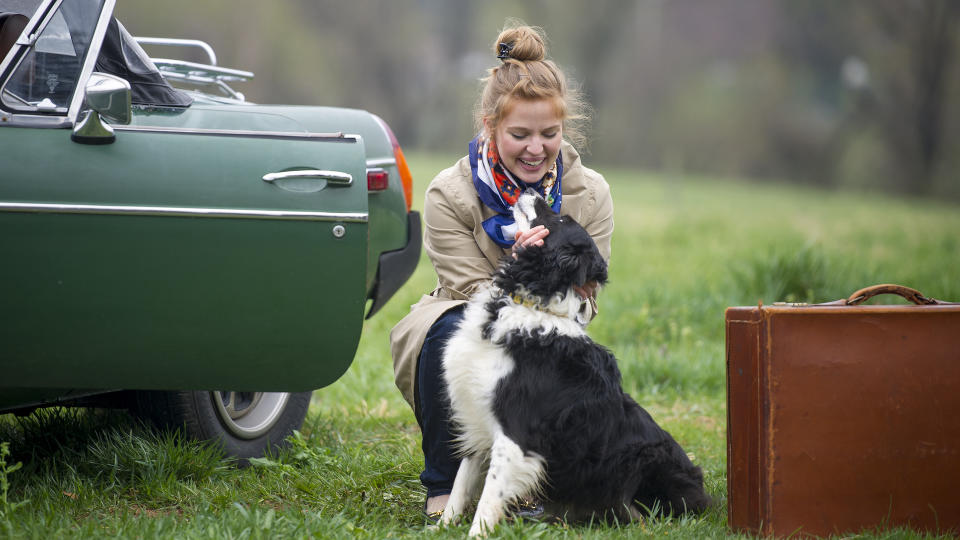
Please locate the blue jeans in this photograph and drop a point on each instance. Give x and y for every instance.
(439, 463)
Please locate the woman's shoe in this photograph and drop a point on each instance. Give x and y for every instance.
(526, 509)
(432, 518)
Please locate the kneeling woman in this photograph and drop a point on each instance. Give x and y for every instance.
(524, 115)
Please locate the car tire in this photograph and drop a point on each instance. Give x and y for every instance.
(244, 424)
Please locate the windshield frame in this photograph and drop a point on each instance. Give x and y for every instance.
(43, 16)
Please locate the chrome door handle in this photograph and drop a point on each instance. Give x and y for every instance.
(333, 178)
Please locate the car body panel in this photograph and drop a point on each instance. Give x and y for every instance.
(123, 245)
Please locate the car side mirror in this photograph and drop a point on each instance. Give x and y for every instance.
(108, 96)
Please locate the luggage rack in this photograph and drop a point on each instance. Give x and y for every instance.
(197, 74)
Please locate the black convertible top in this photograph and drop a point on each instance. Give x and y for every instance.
(120, 55)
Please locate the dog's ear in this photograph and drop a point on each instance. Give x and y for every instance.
(569, 264)
(525, 211)
(577, 258)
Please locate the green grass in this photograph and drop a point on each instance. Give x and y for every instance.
(683, 250)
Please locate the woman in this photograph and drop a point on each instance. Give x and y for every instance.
(523, 115)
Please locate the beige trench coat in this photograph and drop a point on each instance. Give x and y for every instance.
(464, 256)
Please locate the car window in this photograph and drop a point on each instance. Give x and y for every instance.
(46, 77)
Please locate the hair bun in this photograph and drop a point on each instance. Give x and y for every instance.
(523, 43)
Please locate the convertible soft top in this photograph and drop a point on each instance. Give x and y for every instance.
(120, 55)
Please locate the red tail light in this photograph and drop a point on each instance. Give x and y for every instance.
(377, 180)
(405, 177)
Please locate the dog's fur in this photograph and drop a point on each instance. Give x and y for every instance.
(539, 405)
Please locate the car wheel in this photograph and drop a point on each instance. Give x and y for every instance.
(245, 424)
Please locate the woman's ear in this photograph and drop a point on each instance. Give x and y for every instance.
(487, 128)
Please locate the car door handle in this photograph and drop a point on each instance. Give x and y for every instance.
(332, 178)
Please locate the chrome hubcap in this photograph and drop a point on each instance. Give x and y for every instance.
(249, 415)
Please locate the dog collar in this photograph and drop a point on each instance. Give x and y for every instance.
(525, 301)
(528, 302)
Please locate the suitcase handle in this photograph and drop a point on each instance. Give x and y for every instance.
(912, 295)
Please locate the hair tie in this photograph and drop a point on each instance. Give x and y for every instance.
(504, 50)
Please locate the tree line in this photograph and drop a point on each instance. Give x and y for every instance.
(859, 94)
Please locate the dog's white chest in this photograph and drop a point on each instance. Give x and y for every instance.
(473, 367)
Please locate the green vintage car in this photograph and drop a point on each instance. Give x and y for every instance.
(171, 248)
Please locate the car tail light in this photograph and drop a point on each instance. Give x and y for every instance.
(377, 179)
(405, 177)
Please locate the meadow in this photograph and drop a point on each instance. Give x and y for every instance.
(683, 250)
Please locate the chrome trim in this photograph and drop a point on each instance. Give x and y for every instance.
(335, 178)
(337, 137)
(381, 162)
(203, 74)
(181, 43)
(203, 71)
(35, 121)
(183, 211)
(27, 38)
(96, 41)
(92, 130)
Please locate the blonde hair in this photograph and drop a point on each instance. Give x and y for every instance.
(526, 74)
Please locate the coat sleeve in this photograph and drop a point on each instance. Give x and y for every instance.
(600, 225)
(450, 242)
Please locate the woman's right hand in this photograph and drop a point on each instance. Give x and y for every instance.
(530, 237)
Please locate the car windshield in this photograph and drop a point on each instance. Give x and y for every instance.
(46, 77)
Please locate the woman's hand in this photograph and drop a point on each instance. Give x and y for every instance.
(530, 237)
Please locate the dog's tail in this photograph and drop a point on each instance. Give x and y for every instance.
(673, 488)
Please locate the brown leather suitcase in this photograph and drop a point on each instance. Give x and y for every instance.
(843, 417)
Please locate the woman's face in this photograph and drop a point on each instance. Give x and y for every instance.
(528, 139)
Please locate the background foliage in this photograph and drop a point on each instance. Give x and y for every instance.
(859, 94)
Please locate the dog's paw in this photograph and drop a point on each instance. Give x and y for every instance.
(451, 515)
(479, 529)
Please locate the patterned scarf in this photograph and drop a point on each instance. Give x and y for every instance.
(499, 190)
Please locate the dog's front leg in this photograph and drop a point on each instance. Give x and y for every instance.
(511, 474)
(464, 487)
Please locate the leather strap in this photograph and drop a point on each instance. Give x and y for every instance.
(912, 295)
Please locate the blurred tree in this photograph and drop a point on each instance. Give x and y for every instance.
(911, 47)
(884, 69)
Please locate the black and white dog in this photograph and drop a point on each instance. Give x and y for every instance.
(538, 406)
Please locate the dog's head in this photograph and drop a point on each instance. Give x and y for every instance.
(567, 260)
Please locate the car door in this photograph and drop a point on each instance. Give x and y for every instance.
(180, 257)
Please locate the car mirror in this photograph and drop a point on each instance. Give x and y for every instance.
(108, 96)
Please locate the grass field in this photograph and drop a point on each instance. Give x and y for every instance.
(683, 250)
